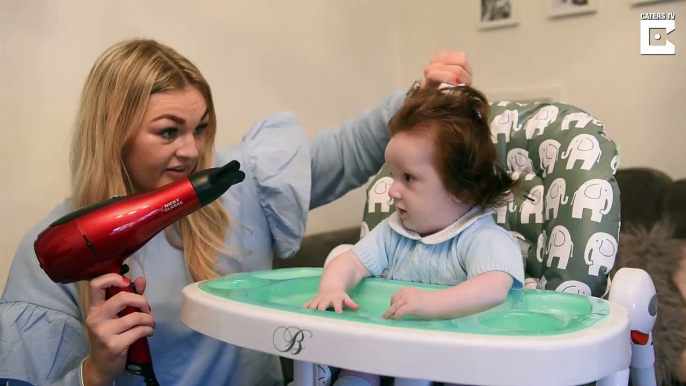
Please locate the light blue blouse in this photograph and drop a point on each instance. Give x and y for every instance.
(42, 337)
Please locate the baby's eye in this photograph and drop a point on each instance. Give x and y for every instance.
(408, 178)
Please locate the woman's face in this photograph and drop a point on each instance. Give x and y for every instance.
(170, 140)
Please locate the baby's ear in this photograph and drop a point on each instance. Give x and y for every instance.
(465, 201)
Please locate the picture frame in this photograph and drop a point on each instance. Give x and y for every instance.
(498, 14)
(564, 8)
(644, 2)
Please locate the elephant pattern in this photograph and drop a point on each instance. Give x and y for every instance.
(505, 123)
(532, 205)
(601, 251)
(583, 147)
(566, 164)
(561, 246)
(574, 287)
(544, 117)
(540, 246)
(548, 153)
(501, 212)
(581, 119)
(527, 177)
(595, 195)
(555, 197)
(518, 160)
(379, 195)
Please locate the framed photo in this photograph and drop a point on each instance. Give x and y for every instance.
(641, 2)
(498, 13)
(561, 8)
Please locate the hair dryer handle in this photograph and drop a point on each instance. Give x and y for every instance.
(138, 358)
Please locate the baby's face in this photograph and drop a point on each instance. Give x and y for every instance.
(422, 202)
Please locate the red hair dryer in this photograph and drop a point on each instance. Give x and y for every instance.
(95, 240)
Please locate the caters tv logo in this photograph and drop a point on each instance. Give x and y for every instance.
(654, 30)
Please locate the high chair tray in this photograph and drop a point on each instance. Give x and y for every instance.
(535, 336)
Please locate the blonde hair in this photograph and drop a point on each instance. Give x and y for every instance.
(113, 102)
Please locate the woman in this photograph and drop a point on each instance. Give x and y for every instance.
(147, 118)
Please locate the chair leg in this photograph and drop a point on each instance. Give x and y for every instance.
(643, 362)
(620, 378)
(634, 290)
(303, 373)
(411, 382)
(644, 376)
(310, 374)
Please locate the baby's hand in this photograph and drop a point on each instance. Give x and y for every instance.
(409, 301)
(335, 299)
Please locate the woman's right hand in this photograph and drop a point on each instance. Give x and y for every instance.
(109, 335)
(335, 299)
(450, 67)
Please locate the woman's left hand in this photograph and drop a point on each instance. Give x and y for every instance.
(450, 67)
(410, 301)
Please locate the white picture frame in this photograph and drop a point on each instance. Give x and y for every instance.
(644, 2)
(564, 8)
(498, 14)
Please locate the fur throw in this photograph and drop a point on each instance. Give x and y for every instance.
(662, 256)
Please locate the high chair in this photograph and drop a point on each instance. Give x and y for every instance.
(567, 219)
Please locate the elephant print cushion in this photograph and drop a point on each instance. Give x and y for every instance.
(567, 215)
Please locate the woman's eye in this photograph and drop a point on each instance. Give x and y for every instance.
(200, 129)
(168, 133)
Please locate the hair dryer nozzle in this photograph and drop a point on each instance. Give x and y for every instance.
(210, 184)
(231, 171)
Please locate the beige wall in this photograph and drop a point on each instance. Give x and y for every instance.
(328, 61)
(591, 61)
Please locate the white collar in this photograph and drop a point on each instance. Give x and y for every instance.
(449, 232)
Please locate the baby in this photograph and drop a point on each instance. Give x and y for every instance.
(446, 182)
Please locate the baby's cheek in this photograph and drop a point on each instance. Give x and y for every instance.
(431, 210)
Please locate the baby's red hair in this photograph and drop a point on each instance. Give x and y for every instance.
(457, 119)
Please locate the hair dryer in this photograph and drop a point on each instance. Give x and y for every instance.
(95, 240)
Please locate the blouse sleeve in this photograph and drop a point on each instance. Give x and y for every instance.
(293, 174)
(278, 162)
(42, 338)
(346, 156)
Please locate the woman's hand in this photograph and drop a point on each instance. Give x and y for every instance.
(450, 67)
(410, 301)
(335, 299)
(110, 336)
